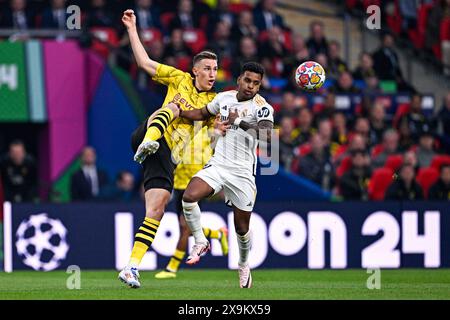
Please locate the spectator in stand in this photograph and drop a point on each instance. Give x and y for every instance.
(345, 85)
(19, 174)
(56, 16)
(356, 142)
(124, 189)
(273, 47)
(244, 27)
(88, 182)
(365, 67)
(406, 140)
(265, 16)
(372, 87)
(390, 147)
(354, 183)
(304, 130)
(362, 127)
(299, 55)
(329, 107)
(317, 43)
(408, 11)
(286, 142)
(404, 186)
(248, 51)
(415, 119)
(441, 189)
(425, 151)
(221, 13)
(288, 107)
(316, 165)
(176, 48)
(17, 16)
(433, 25)
(99, 15)
(378, 123)
(147, 14)
(387, 65)
(222, 44)
(443, 117)
(186, 17)
(340, 132)
(336, 64)
(410, 158)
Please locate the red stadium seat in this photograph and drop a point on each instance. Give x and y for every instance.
(104, 40)
(150, 35)
(286, 38)
(426, 178)
(166, 18)
(439, 160)
(381, 179)
(345, 165)
(236, 8)
(303, 150)
(395, 21)
(445, 29)
(339, 151)
(402, 109)
(195, 39)
(394, 162)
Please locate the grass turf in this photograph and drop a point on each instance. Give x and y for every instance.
(223, 285)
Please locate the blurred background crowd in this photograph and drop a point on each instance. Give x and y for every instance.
(369, 151)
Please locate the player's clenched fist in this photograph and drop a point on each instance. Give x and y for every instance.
(129, 19)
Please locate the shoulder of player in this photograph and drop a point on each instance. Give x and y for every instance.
(226, 94)
(259, 100)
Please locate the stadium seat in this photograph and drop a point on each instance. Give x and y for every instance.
(150, 35)
(445, 29)
(236, 8)
(104, 40)
(166, 18)
(184, 63)
(345, 165)
(286, 38)
(439, 160)
(402, 109)
(195, 39)
(303, 150)
(426, 178)
(394, 162)
(379, 182)
(395, 21)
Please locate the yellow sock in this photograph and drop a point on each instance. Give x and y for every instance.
(159, 124)
(212, 234)
(175, 261)
(143, 240)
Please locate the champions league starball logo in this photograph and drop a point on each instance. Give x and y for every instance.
(41, 242)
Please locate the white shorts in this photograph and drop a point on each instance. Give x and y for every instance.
(239, 188)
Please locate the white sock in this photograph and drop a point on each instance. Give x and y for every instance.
(244, 243)
(192, 214)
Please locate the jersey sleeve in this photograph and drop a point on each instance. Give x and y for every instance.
(213, 107)
(168, 75)
(265, 112)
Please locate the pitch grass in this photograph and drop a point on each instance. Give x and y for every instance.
(223, 285)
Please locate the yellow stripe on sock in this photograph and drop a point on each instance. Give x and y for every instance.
(156, 120)
(179, 254)
(147, 230)
(150, 220)
(138, 252)
(143, 236)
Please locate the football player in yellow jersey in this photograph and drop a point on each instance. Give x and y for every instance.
(196, 155)
(160, 137)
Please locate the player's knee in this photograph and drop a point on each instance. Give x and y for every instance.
(174, 108)
(241, 229)
(189, 197)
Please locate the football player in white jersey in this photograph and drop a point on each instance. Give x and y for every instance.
(247, 117)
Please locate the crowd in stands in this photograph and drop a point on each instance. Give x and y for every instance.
(365, 154)
(425, 24)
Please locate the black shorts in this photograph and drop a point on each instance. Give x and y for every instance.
(158, 167)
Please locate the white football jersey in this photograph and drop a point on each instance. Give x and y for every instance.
(237, 149)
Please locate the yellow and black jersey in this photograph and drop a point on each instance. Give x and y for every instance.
(180, 89)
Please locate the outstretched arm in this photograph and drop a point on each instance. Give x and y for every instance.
(142, 59)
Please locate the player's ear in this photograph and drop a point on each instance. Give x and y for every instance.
(238, 79)
(194, 71)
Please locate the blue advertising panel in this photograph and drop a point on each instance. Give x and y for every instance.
(314, 235)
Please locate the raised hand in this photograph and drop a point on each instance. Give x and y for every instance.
(129, 19)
